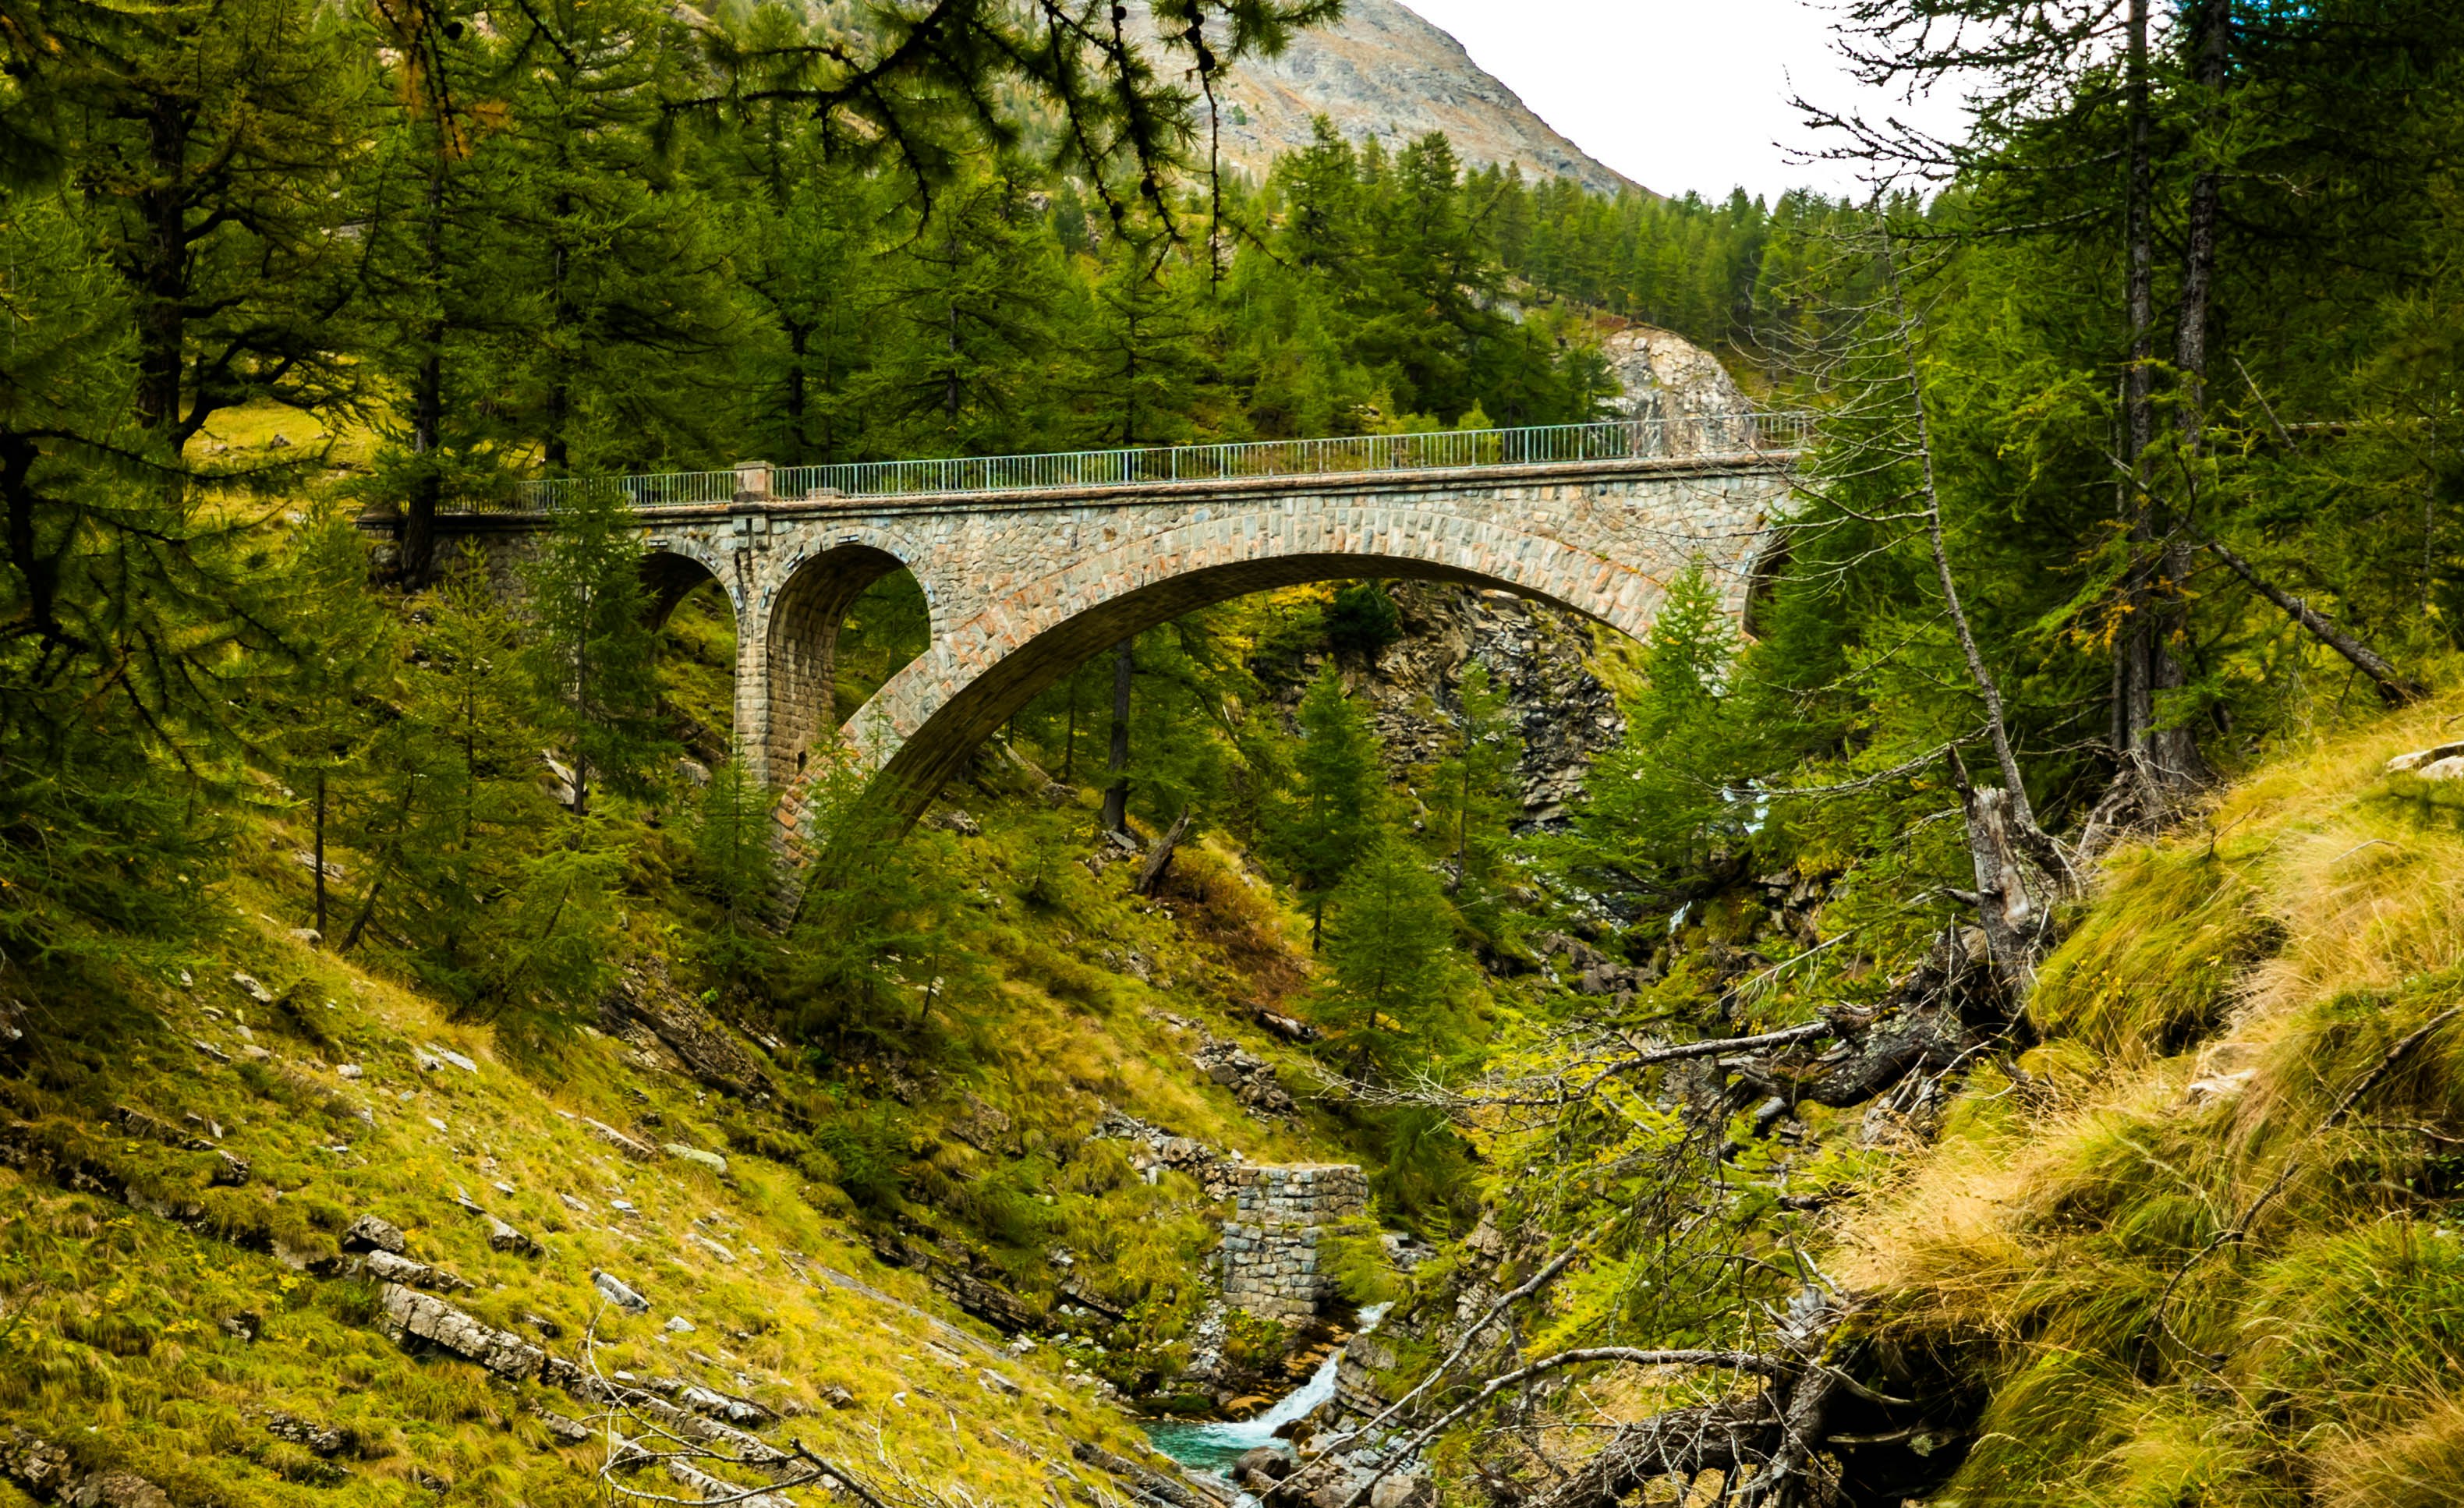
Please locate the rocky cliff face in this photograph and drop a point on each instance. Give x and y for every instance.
(1538, 654)
(1382, 71)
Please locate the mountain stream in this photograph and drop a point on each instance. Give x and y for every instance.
(1210, 1449)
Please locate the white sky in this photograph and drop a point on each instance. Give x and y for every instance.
(1679, 93)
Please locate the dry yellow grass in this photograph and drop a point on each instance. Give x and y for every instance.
(2177, 1281)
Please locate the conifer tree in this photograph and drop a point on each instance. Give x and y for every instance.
(146, 639)
(969, 362)
(206, 146)
(801, 228)
(736, 862)
(1662, 805)
(1148, 358)
(434, 194)
(1473, 795)
(1335, 811)
(622, 357)
(591, 647)
(1392, 977)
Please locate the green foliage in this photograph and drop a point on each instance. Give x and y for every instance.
(1363, 620)
(1390, 993)
(1353, 1254)
(501, 902)
(866, 949)
(1474, 803)
(735, 851)
(1379, 307)
(1669, 803)
(590, 648)
(1332, 817)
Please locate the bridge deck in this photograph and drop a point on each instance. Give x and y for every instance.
(1727, 439)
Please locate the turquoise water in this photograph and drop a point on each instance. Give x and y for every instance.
(1215, 1447)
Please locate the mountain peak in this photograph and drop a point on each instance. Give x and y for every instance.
(1384, 70)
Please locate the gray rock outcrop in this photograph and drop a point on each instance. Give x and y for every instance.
(1383, 70)
(1667, 380)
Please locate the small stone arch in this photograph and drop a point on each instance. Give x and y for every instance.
(670, 574)
(809, 607)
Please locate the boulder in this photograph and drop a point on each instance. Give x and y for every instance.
(323, 1439)
(2439, 762)
(1401, 1489)
(697, 1157)
(1261, 1467)
(504, 1237)
(408, 1317)
(369, 1233)
(449, 1055)
(638, 1152)
(386, 1267)
(614, 1290)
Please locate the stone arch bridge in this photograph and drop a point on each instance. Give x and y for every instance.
(1031, 566)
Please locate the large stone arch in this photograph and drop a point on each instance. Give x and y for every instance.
(1022, 639)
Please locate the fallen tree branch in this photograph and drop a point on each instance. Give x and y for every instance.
(1770, 1367)
(1159, 862)
(1529, 1286)
(2394, 689)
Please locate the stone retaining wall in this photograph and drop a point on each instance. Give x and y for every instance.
(1271, 1257)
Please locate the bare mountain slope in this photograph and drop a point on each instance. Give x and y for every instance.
(1382, 71)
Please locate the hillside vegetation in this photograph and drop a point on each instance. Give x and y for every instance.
(189, 1139)
(2201, 1245)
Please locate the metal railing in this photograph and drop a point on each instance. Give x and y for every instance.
(1685, 436)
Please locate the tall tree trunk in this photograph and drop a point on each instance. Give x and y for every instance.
(558, 451)
(163, 271)
(19, 453)
(1069, 743)
(2211, 46)
(581, 717)
(800, 336)
(321, 856)
(2173, 752)
(1117, 796)
(2164, 763)
(428, 392)
(2134, 641)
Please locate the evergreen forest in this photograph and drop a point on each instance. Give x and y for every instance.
(1982, 1026)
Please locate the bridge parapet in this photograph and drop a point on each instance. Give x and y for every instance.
(1744, 432)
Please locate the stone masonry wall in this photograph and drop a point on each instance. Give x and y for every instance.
(1270, 1260)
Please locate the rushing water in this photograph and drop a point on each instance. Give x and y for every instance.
(1212, 1448)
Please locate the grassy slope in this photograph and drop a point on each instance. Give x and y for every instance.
(2227, 990)
(110, 1318)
